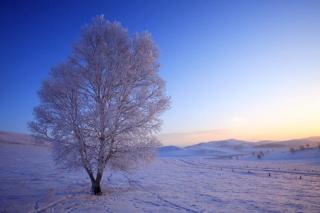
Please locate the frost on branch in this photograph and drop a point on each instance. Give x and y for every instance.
(101, 107)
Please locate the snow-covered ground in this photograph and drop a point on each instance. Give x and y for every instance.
(198, 183)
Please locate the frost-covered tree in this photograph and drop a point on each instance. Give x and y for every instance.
(101, 107)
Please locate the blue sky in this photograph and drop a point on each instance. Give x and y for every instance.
(244, 69)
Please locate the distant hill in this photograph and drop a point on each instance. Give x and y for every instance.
(218, 149)
(169, 148)
(20, 138)
(312, 141)
(233, 148)
(305, 148)
(231, 143)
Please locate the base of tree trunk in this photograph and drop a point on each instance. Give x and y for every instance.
(96, 189)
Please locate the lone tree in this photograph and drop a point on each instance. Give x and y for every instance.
(101, 107)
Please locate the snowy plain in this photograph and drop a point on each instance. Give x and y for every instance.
(196, 182)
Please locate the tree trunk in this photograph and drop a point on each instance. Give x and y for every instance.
(96, 188)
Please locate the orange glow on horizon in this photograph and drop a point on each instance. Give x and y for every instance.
(253, 135)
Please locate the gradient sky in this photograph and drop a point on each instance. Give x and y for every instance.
(234, 69)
